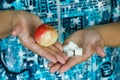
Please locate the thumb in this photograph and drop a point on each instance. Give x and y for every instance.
(16, 31)
(100, 51)
(36, 20)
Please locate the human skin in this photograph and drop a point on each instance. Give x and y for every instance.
(23, 24)
(92, 40)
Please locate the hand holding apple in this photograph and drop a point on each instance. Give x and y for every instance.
(24, 24)
(45, 35)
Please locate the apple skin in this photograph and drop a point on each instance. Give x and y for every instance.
(45, 35)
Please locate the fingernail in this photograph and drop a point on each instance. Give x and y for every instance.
(64, 61)
(61, 72)
(54, 61)
(103, 55)
(66, 58)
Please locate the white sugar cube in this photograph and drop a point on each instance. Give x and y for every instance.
(70, 53)
(72, 45)
(72, 49)
(66, 48)
(78, 51)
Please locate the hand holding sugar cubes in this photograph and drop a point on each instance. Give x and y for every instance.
(72, 49)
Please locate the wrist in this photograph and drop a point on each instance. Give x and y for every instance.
(6, 17)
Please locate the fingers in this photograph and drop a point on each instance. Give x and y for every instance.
(63, 55)
(30, 44)
(60, 56)
(50, 64)
(87, 52)
(59, 46)
(39, 50)
(51, 53)
(56, 49)
(70, 63)
(55, 67)
(24, 31)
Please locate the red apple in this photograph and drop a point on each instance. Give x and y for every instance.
(45, 35)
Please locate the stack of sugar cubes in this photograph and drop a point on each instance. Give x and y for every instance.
(72, 49)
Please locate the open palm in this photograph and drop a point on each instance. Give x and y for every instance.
(24, 26)
(90, 40)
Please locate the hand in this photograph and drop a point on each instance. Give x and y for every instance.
(90, 40)
(24, 25)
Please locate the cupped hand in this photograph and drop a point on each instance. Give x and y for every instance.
(24, 25)
(90, 40)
